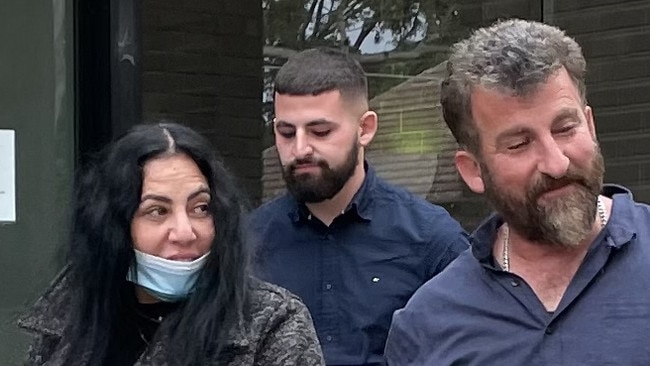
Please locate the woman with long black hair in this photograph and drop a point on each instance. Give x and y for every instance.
(157, 269)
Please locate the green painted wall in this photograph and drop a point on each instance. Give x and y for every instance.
(36, 100)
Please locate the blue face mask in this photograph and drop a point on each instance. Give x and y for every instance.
(165, 279)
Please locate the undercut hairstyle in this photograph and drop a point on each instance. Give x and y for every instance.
(319, 70)
(100, 252)
(512, 57)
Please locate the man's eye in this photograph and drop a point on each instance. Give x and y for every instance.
(566, 130)
(518, 145)
(286, 133)
(322, 133)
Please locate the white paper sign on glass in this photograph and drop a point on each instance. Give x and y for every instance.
(7, 176)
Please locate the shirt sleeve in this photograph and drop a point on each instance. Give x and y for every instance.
(445, 247)
(292, 340)
(402, 343)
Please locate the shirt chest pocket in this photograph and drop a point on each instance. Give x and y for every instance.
(389, 282)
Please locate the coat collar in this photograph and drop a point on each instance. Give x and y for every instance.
(50, 313)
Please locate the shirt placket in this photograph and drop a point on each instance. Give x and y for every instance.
(551, 345)
(331, 323)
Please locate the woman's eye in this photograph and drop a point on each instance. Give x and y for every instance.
(157, 211)
(202, 209)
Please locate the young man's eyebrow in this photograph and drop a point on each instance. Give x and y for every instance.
(315, 122)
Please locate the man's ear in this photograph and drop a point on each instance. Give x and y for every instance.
(470, 170)
(367, 128)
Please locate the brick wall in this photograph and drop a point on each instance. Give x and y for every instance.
(202, 63)
(615, 36)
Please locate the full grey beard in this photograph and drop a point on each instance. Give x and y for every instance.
(568, 223)
(565, 222)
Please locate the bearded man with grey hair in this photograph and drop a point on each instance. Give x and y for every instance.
(560, 274)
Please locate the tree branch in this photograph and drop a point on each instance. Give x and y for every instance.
(319, 18)
(414, 28)
(341, 21)
(366, 28)
(302, 32)
(418, 52)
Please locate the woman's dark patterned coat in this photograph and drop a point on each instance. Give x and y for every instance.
(280, 332)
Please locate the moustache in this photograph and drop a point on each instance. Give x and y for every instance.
(307, 161)
(547, 183)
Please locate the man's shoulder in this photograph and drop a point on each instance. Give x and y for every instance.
(392, 203)
(444, 298)
(458, 281)
(389, 193)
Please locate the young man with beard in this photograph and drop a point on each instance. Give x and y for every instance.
(353, 247)
(560, 275)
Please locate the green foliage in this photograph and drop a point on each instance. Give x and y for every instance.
(421, 30)
(299, 24)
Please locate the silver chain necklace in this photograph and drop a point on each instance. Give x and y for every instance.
(600, 207)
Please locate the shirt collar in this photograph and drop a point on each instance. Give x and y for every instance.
(360, 205)
(482, 239)
(620, 226)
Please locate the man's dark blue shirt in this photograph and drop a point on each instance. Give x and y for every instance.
(476, 314)
(355, 273)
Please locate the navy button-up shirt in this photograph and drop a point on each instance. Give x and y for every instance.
(474, 313)
(355, 273)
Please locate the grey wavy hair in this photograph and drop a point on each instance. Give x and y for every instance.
(512, 57)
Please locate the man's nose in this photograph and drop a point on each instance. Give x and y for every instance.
(552, 160)
(302, 146)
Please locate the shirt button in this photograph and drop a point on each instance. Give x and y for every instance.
(514, 283)
(328, 286)
(549, 330)
(328, 338)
